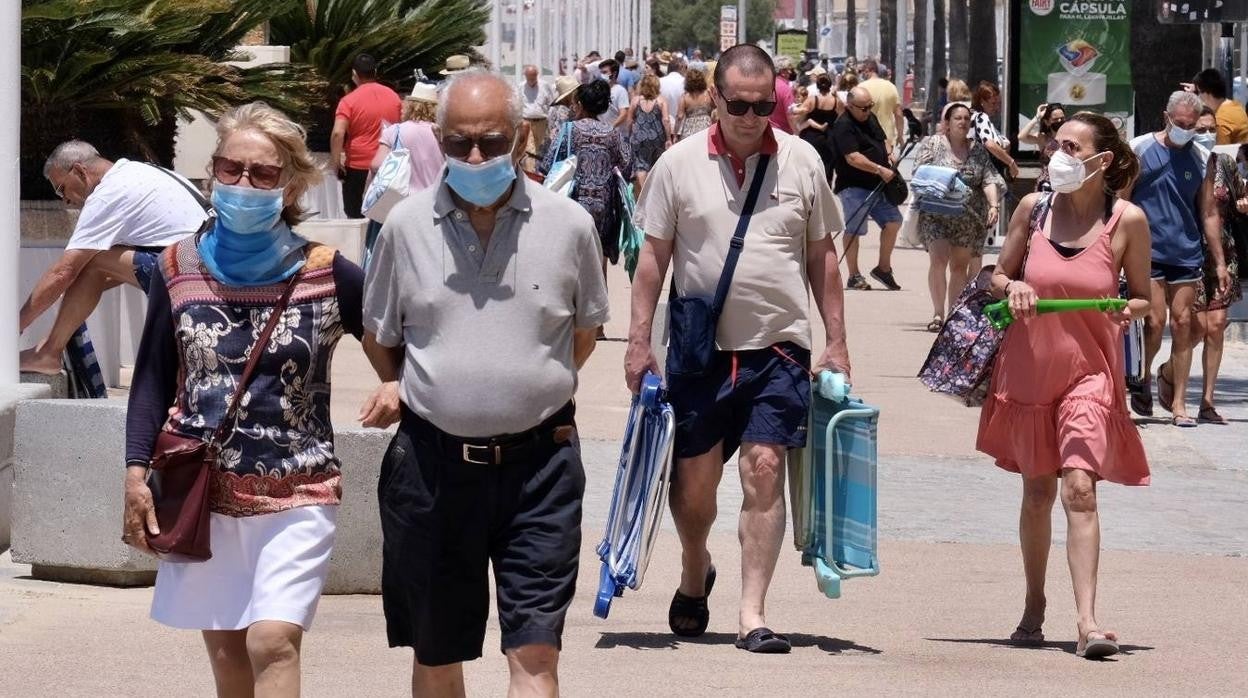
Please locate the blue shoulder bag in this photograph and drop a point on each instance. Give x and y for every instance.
(693, 319)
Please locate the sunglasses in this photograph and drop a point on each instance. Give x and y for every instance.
(229, 171)
(863, 107)
(491, 145)
(1207, 129)
(738, 107)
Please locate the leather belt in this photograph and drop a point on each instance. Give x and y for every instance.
(495, 450)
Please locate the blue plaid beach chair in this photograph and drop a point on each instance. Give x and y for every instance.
(640, 494)
(832, 484)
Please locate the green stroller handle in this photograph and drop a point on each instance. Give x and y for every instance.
(1000, 317)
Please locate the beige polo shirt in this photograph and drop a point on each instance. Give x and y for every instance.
(884, 94)
(693, 196)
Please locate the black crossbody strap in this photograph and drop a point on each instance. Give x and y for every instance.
(738, 238)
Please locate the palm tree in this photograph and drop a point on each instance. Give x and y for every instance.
(1153, 79)
(959, 39)
(919, 31)
(119, 72)
(982, 56)
(938, 58)
(403, 35)
(888, 35)
(851, 32)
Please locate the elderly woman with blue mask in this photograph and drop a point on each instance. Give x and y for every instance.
(274, 488)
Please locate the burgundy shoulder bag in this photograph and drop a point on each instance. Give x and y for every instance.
(181, 467)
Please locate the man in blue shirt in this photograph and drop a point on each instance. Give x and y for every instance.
(1172, 171)
(629, 75)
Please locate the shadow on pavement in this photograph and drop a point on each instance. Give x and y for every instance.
(1067, 647)
(667, 641)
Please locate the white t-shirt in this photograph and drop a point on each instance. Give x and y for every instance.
(619, 102)
(672, 88)
(136, 205)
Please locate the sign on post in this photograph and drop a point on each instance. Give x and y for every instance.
(727, 27)
(1077, 55)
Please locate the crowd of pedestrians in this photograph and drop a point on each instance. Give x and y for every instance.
(746, 169)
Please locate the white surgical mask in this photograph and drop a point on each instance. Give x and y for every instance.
(1181, 136)
(1067, 172)
(1208, 140)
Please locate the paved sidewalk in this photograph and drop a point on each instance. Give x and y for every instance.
(1172, 575)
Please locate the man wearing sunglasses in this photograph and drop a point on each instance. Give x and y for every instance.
(755, 393)
(130, 211)
(862, 167)
(481, 303)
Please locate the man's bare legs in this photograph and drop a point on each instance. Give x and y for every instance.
(888, 241)
(1178, 369)
(444, 681)
(534, 672)
(760, 529)
(694, 508)
(106, 270)
(1154, 326)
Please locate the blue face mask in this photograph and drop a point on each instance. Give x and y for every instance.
(1181, 136)
(1207, 140)
(245, 210)
(481, 184)
(1243, 170)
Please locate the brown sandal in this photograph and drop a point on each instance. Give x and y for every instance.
(1165, 389)
(1209, 415)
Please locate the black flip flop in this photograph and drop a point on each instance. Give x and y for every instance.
(764, 641)
(692, 608)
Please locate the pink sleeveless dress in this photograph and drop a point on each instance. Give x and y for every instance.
(1058, 393)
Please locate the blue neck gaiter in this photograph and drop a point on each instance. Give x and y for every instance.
(255, 259)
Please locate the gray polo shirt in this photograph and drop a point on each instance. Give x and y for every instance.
(487, 334)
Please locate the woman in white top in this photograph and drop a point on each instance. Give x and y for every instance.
(415, 134)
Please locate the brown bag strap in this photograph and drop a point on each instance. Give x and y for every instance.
(257, 349)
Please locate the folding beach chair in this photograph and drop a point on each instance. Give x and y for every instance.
(640, 494)
(832, 486)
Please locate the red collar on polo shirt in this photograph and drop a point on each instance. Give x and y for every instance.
(717, 146)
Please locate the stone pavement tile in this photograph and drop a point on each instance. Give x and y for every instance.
(931, 624)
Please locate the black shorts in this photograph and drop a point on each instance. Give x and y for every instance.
(757, 396)
(444, 520)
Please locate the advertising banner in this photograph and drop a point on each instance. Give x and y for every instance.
(1077, 54)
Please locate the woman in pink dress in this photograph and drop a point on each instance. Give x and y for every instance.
(1056, 411)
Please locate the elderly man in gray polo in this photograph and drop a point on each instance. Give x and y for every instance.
(482, 302)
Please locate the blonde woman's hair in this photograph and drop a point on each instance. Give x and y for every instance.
(290, 140)
(958, 91)
(648, 88)
(419, 110)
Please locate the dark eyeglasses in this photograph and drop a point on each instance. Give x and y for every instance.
(229, 171)
(1207, 129)
(738, 107)
(491, 145)
(863, 107)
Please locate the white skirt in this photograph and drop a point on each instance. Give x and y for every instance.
(266, 567)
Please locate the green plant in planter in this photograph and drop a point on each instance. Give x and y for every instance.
(118, 73)
(402, 35)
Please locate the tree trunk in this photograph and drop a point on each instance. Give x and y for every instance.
(812, 24)
(851, 30)
(934, 91)
(919, 22)
(958, 39)
(888, 35)
(1154, 79)
(982, 56)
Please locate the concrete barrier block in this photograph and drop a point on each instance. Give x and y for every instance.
(10, 395)
(68, 498)
(67, 495)
(355, 567)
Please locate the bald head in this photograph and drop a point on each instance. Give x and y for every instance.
(475, 97)
(860, 103)
(530, 74)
